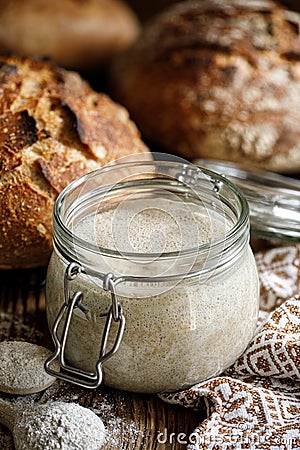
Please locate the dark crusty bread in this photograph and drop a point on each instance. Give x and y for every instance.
(74, 34)
(218, 79)
(53, 128)
(291, 4)
(148, 8)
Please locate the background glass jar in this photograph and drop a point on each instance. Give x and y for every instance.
(157, 320)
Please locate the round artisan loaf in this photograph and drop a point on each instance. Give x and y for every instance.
(220, 80)
(53, 129)
(148, 8)
(74, 34)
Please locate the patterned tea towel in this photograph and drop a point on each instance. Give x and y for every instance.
(255, 404)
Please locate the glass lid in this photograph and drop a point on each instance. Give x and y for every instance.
(274, 200)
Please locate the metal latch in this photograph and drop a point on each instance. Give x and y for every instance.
(115, 313)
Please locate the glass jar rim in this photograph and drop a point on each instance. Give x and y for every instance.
(184, 169)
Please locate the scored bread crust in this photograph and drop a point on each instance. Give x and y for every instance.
(53, 129)
(216, 79)
(76, 34)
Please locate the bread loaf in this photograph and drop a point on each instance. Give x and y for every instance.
(75, 34)
(291, 4)
(218, 80)
(53, 128)
(147, 8)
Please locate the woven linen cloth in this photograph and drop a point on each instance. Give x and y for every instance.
(255, 404)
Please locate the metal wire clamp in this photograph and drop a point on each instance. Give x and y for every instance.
(115, 313)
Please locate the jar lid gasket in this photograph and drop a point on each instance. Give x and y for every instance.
(274, 199)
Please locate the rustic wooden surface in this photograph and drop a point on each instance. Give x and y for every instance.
(133, 421)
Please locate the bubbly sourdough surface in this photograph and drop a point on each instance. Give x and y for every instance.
(178, 337)
(159, 226)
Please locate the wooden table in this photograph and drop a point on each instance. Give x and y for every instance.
(133, 421)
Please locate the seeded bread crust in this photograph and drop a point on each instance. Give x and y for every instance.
(218, 80)
(53, 129)
(76, 34)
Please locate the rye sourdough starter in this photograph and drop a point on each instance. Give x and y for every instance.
(176, 334)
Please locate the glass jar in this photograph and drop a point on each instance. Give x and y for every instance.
(160, 319)
(274, 200)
